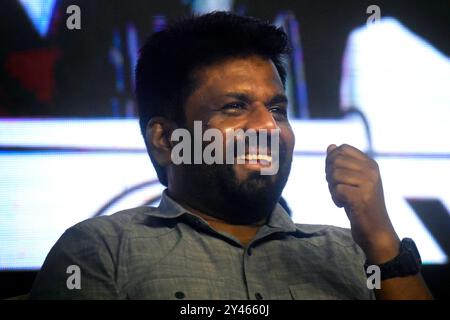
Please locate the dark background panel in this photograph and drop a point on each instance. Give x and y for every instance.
(84, 76)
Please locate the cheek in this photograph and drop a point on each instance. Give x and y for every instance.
(224, 125)
(223, 122)
(288, 138)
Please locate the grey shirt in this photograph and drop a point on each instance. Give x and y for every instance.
(170, 253)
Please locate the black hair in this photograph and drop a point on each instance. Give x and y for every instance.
(164, 72)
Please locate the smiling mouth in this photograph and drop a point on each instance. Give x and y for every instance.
(260, 159)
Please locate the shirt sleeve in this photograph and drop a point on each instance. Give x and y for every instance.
(80, 265)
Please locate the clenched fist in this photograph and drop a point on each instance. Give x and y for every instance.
(355, 184)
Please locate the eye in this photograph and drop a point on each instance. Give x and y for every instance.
(279, 111)
(234, 107)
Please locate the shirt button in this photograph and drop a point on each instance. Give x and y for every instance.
(258, 296)
(179, 295)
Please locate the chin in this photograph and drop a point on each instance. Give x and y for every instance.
(255, 184)
(256, 193)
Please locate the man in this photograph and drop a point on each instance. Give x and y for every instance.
(219, 232)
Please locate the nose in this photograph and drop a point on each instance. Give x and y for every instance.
(261, 118)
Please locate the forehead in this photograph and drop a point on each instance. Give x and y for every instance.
(251, 74)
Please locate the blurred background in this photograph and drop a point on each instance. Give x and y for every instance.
(372, 74)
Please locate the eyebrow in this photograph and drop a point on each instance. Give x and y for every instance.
(278, 98)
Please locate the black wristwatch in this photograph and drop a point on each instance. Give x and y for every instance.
(407, 263)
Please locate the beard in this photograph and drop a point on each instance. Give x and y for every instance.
(217, 191)
(254, 198)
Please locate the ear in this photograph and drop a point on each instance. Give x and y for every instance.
(157, 138)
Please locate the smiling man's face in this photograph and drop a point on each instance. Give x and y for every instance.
(239, 93)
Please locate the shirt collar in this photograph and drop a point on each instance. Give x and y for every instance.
(169, 208)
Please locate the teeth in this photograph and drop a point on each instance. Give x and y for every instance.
(256, 157)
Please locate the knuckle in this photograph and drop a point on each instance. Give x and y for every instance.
(373, 175)
(374, 164)
(332, 157)
(335, 175)
(345, 147)
(339, 161)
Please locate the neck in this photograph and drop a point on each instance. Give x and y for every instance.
(243, 232)
(215, 209)
(235, 209)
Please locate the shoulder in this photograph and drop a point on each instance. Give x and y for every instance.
(342, 236)
(130, 221)
(344, 258)
(332, 239)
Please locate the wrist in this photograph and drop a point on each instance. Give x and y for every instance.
(382, 248)
(406, 263)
